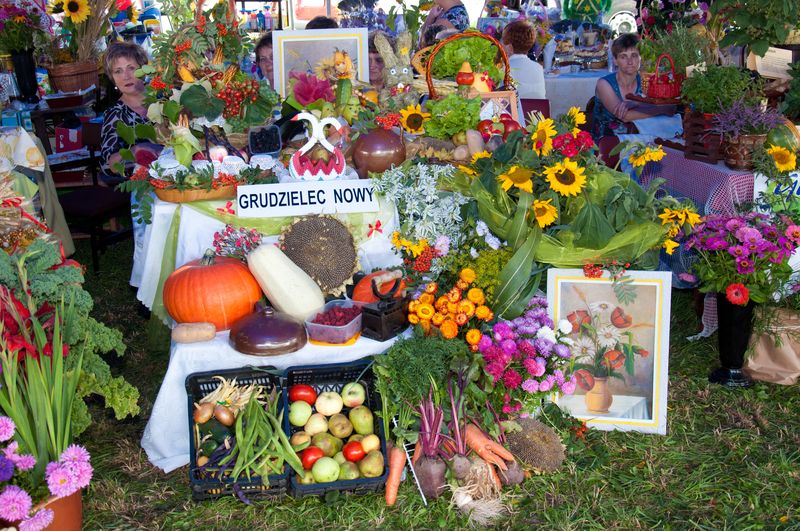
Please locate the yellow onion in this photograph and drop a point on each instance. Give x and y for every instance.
(224, 415)
(203, 413)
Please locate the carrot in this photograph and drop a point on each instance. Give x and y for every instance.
(417, 454)
(397, 461)
(496, 477)
(487, 449)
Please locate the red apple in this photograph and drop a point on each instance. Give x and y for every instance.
(510, 125)
(199, 156)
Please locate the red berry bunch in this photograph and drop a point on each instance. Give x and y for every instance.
(592, 270)
(423, 262)
(182, 47)
(337, 316)
(392, 119)
(237, 93)
(158, 83)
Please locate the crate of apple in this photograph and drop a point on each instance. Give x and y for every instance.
(334, 429)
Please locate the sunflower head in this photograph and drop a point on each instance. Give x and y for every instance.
(543, 137)
(480, 155)
(544, 212)
(566, 178)
(413, 119)
(76, 10)
(577, 117)
(517, 176)
(784, 159)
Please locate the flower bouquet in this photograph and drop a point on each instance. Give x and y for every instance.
(67, 475)
(526, 359)
(19, 27)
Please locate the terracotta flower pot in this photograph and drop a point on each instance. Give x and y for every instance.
(599, 397)
(67, 513)
(739, 150)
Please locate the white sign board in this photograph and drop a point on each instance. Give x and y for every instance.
(774, 64)
(304, 198)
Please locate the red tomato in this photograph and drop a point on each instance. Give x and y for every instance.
(310, 455)
(303, 392)
(485, 128)
(353, 451)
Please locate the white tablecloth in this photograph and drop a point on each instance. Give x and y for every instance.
(622, 407)
(166, 436)
(571, 89)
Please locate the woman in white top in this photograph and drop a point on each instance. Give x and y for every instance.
(518, 38)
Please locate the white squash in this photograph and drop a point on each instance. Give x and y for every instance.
(287, 287)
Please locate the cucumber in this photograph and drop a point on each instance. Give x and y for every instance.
(344, 89)
(216, 429)
(208, 447)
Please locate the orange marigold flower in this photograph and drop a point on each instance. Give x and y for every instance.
(412, 306)
(460, 284)
(452, 307)
(441, 303)
(431, 287)
(454, 295)
(490, 316)
(426, 298)
(449, 329)
(426, 327)
(437, 319)
(476, 296)
(425, 311)
(467, 308)
(461, 319)
(482, 312)
(413, 319)
(473, 336)
(468, 275)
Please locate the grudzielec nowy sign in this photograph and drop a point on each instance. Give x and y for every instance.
(304, 198)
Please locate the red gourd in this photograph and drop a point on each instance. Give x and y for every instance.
(212, 289)
(363, 290)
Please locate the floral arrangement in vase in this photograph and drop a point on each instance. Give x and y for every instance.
(19, 26)
(527, 359)
(744, 256)
(86, 23)
(778, 162)
(63, 477)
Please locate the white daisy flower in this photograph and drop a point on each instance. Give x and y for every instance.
(584, 347)
(608, 336)
(600, 307)
(546, 332)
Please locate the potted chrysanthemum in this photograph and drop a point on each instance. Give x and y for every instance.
(744, 259)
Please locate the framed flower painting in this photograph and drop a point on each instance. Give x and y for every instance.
(620, 330)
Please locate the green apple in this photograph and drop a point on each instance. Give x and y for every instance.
(353, 394)
(329, 403)
(299, 413)
(362, 419)
(325, 470)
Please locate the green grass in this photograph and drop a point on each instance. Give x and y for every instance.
(731, 459)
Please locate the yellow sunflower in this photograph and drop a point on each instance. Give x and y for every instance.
(76, 10)
(134, 14)
(414, 119)
(692, 218)
(543, 137)
(578, 118)
(566, 178)
(638, 159)
(466, 169)
(55, 8)
(784, 159)
(654, 154)
(544, 212)
(516, 176)
(480, 155)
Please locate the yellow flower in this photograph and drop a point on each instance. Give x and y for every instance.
(670, 216)
(76, 10)
(673, 231)
(413, 319)
(412, 306)
(543, 137)
(469, 171)
(473, 336)
(544, 212)
(476, 296)
(578, 118)
(426, 298)
(437, 319)
(482, 312)
(19, 18)
(416, 249)
(425, 311)
(480, 155)
(413, 119)
(670, 246)
(467, 308)
(566, 178)
(784, 159)
(516, 176)
(692, 218)
(449, 329)
(55, 8)
(638, 160)
(468, 275)
(654, 154)
(134, 14)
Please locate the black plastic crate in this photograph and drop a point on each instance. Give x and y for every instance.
(332, 378)
(205, 485)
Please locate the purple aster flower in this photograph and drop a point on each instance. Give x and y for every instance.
(509, 347)
(715, 243)
(517, 322)
(537, 301)
(37, 522)
(562, 351)
(530, 386)
(568, 387)
(76, 454)
(529, 328)
(738, 251)
(687, 277)
(6, 468)
(83, 474)
(59, 480)
(15, 503)
(547, 322)
(24, 462)
(748, 235)
(484, 343)
(10, 451)
(502, 331)
(536, 313)
(559, 376)
(546, 384)
(786, 244)
(543, 346)
(734, 224)
(770, 231)
(744, 266)
(7, 428)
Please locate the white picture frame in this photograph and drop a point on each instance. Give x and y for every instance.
(629, 338)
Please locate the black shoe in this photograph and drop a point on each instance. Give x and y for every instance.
(730, 378)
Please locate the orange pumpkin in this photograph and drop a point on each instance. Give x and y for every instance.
(363, 290)
(211, 289)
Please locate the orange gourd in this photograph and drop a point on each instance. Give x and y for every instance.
(363, 290)
(212, 289)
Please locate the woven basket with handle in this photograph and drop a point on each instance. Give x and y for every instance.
(451, 38)
(665, 85)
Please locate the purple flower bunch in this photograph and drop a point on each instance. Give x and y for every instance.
(526, 359)
(752, 249)
(71, 473)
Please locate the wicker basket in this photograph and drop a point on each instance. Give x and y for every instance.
(190, 196)
(451, 38)
(664, 86)
(739, 150)
(72, 77)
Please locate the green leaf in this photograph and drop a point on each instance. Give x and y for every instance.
(171, 110)
(759, 47)
(146, 132)
(519, 226)
(594, 228)
(126, 154)
(516, 273)
(200, 103)
(126, 132)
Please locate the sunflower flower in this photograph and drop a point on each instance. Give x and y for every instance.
(517, 176)
(467, 170)
(413, 119)
(784, 159)
(544, 212)
(76, 10)
(566, 178)
(543, 137)
(670, 246)
(480, 155)
(578, 118)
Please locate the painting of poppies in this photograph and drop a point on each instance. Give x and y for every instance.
(620, 331)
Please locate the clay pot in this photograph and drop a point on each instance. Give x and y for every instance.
(377, 151)
(599, 398)
(67, 513)
(739, 150)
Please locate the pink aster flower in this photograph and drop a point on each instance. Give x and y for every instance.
(37, 522)
(534, 367)
(75, 454)
(15, 503)
(509, 347)
(7, 428)
(793, 233)
(10, 451)
(526, 347)
(484, 343)
(59, 480)
(83, 474)
(512, 379)
(530, 385)
(568, 387)
(25, 462)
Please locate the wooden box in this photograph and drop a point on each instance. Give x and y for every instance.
(701, 144)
